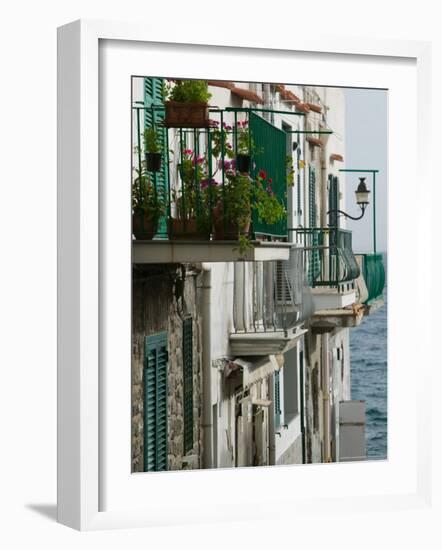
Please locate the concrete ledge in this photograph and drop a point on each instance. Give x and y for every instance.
(158, 251)
(264, 343)
(330, 298)
(329, 319)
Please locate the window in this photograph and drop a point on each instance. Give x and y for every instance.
(155, 402)
(188, 384)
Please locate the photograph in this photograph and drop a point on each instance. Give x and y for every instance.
(259, 262)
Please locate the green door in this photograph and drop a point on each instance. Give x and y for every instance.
(155, 402)
(153, 96)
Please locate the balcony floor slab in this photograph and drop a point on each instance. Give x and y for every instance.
(329, 298)
(329, 319)
(264, 343)
(163, 251)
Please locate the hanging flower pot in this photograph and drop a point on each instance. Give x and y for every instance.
(187, 230)
(186, 115)
(153, 162)
(243, 163)
(144, 226)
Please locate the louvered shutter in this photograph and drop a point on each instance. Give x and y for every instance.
(153, 96)
(155, 402)
(277, 399)
(188, 384)
(314, 257)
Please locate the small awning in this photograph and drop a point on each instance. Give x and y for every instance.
(287, 95)
(302, 107)
(243, 93)
(261, 368)
(336, 157)
(316, 142)
(314, 107)
(221, 84)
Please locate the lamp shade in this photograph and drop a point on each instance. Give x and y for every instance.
(362, 193)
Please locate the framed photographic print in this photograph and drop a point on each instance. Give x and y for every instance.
(226, 243)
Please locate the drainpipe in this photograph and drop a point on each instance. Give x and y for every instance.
(325, 338)
(207, 420)
(301, 407)
(272, 447)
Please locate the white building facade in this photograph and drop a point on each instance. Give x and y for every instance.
(267, 378)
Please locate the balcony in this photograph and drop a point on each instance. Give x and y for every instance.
(271, 301)
(214, 193)
(332, 271)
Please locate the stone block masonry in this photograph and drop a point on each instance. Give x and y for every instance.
(162, 297)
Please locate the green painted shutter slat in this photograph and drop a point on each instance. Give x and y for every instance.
(314, 265)
(188, 384)
(153, 96)
(155, 402)
(298, 180)
(277, 399)
(270, 155)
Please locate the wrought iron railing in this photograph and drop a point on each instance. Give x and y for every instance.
(374, 275)
(271, 296)
(329, 256)
(191, 187)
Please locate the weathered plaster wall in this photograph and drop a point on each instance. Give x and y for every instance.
(162, 296)
(293, 455)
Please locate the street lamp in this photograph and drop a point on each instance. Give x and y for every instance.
(362, 198)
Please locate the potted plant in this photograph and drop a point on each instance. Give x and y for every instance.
(187, 104)
(232, 214)
(241, 196)
(243, 146)
(148, 206)
(194, 200)
(152, 148)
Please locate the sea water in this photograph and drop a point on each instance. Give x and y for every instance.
(368, 351)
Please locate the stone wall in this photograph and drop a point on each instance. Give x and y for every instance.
(314, 402)
(162, 297)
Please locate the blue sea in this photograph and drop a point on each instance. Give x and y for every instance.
(368, 351)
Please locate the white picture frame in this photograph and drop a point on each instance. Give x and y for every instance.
(82, 445)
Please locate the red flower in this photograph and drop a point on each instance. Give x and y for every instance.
(262, 174)
(270, 180)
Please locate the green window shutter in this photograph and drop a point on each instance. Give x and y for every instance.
(333, 200)
(277, 399)
(188, 384)
(270, 155)
(312, 196)
(314, 264)
(155, 402)
(153, 96)
(298, 180)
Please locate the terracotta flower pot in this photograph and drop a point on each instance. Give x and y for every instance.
(144, 227)
(153, 162)
(186, 230)
(186, 115)
(227, 230)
